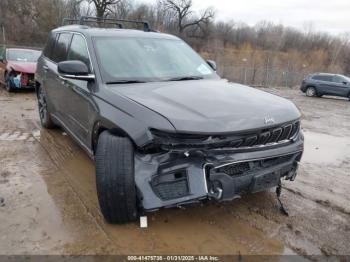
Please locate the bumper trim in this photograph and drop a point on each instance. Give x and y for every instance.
(256, 159)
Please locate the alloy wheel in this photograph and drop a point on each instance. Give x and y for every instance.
(311, 91)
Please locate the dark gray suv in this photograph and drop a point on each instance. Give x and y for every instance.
(163, 128)
(320, 84)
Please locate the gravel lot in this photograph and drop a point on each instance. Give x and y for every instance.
(48, 202)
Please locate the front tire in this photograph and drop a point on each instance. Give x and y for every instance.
(8, 84)
(115, 179)
(44, 113)
(311, 91)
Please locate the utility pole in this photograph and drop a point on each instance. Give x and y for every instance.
(3, 33)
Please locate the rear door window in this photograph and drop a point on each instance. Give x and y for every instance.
(59, 53)
(78, 50)
(323, 78)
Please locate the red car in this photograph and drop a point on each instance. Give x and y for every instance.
(17, 68)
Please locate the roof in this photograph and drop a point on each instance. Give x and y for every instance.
(326, 74)
(101, 32)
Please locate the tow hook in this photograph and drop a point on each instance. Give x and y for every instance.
(215, 193)
(283, 209)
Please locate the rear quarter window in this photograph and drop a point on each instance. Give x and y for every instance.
(49, 45)
(59, 52)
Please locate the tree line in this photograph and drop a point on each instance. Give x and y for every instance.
(253, 51)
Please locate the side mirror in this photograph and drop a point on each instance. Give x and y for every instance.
(74, 69)
(212, 64)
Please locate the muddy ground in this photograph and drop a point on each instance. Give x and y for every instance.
(48, 202)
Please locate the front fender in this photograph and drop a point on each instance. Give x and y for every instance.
(129, 118)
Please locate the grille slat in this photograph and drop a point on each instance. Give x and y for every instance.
(250, 141)
(286, 132)
(264, 137)
(275, 135)
(295, 129)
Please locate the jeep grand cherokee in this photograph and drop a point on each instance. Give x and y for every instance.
(163, 128)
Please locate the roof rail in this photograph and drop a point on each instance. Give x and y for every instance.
(84, 20)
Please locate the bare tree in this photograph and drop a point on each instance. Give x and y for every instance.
(102, 6)
(122, 9)
(185, 16)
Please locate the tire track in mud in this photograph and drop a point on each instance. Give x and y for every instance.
(324, 203)
(16, 135)
(58, 154)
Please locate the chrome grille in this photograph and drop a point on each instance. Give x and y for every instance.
(267, 136)
(274, 135)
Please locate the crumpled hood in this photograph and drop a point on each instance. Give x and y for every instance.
(23, 67)
(211, 106)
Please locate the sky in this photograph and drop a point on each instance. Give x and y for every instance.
(320, 15)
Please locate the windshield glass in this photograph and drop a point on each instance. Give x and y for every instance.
(347, 78)
(23, 55)
(149, 59)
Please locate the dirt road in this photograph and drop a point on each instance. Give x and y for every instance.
(48, 202)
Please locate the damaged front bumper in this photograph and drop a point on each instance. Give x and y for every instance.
(180, 177)
(20, 80)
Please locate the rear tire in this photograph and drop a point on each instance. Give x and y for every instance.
(311, 91)
(44, 113)
(115, 179)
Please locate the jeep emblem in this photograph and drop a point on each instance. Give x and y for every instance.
(269, 120)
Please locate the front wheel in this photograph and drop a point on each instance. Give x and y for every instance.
(311, 91)
(8, 84)
(115, 179)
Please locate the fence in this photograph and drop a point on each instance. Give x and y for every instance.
(261, 76)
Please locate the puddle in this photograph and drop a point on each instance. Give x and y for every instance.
(325, 149)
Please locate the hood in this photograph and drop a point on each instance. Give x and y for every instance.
(211, 106)
(23, 67)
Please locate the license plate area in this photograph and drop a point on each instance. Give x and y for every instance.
(263, 181)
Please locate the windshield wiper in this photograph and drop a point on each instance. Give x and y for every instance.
(125, 82)
(183, 78)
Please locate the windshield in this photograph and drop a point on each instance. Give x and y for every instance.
(23, 55)
(347, 78)
(149, 59)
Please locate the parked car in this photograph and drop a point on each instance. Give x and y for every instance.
(163, 128)
(320, 84)
(17, 68)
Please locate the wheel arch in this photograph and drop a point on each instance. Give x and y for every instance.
(102, 125)
(313, 86)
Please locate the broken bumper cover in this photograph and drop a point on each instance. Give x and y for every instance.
(22, 80)
(177, 178)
